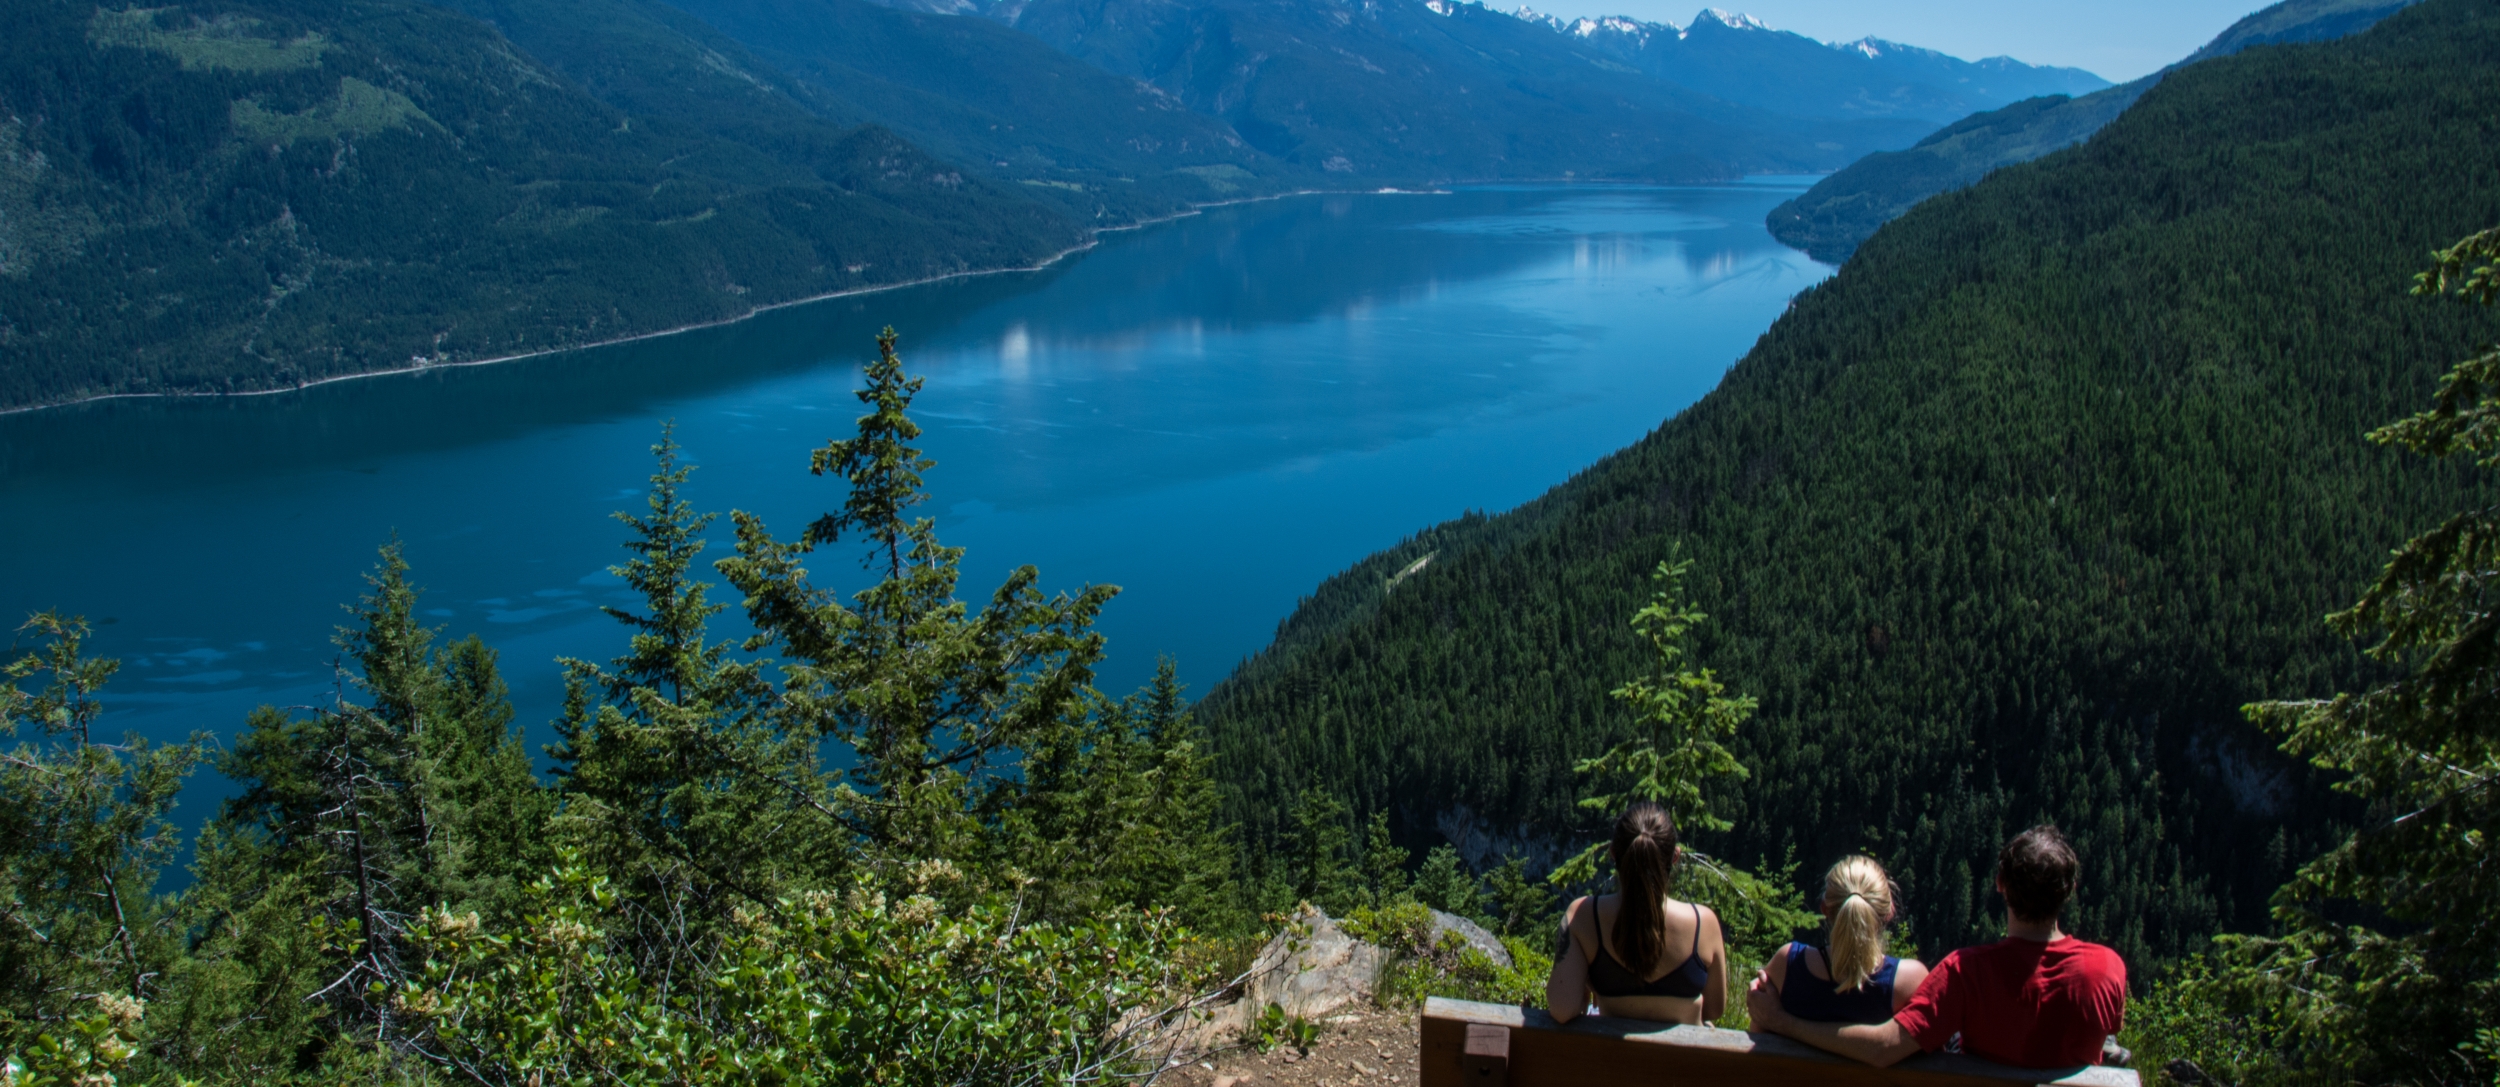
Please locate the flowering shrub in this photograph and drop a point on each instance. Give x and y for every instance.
(89, 1049)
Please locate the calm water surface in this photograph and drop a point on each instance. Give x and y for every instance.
(1215, 413)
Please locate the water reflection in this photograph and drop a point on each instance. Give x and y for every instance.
(1215, 413)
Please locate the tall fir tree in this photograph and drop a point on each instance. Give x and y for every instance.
(1682, 717)
(673, 783)
(934, 700)
(410, 790)
(2387, 965)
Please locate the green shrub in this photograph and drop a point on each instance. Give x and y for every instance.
(825, 989)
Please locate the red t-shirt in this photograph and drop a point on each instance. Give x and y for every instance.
(2022, 1002)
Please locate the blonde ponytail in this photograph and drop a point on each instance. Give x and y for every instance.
(1860, 898)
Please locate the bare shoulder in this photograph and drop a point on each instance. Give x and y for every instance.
(1777, 968)
(1711, 929)
(1906, 979)
(1580, 917)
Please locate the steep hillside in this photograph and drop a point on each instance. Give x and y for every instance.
(2002, 524)
(1737, 58)
(1830, 220)
(1408, 89)
(254, 194)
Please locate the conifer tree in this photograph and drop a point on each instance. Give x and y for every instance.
(410, 790)
(2407, 986)
(1682, 715)
(1445, 884)
(84, 828)
(1522, 907)
(673, 784)
(932, 697)
(1318, 841)
(1123, 811)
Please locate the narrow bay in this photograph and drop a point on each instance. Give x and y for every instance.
(1214, 413)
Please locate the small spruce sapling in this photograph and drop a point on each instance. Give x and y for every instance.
(1682, 716)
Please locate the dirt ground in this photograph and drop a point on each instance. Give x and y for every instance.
(1363, 1048)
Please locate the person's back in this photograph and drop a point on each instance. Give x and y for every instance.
(2027, 1003)
(1640, 954)
(2036, 999)
(1850, 979)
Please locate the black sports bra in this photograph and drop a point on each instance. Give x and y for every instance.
(1609, 977)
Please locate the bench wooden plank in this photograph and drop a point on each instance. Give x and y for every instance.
(1598, 1050)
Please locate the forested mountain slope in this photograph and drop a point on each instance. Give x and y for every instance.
(984, 96)
(1832, 219)
(1737, 58)
(2002, 524)
(253, 194)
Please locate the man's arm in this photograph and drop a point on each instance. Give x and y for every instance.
(1880, 1044)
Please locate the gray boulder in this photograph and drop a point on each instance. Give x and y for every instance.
(1473, 933)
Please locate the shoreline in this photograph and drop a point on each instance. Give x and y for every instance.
(1093, 240)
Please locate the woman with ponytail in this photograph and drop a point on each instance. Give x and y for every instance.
(1849, 979)
(1641, 953)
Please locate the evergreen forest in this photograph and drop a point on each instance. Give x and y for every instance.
(2141, 488)
(255, 196)
(2001, 525)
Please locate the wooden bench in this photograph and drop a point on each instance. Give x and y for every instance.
(1466, 1044)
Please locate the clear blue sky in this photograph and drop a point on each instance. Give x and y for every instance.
(2115, 39)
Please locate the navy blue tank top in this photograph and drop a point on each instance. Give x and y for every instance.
(1818, 1000)
(1608, 976)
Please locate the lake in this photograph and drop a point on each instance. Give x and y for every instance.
(1215, 413)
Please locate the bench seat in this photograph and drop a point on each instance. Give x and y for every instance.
(1468, 1044)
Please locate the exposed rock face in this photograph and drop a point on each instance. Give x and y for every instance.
(1473, 933)
(1310, 970)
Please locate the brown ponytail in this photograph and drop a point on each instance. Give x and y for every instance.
(1644, 854)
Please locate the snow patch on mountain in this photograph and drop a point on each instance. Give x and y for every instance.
(1731, 20)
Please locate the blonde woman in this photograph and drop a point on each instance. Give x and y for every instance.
(1641, 953)
(1849, 979)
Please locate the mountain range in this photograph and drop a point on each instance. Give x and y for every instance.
(246, 195)
(1830, 220)
(1737, 58)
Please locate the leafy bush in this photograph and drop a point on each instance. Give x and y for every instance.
(2185, 1018)
(822, 989)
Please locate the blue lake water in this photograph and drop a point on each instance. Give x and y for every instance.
(1215, 413)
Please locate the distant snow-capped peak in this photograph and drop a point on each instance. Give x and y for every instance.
(1593, 26)
(1612, 24)
(1731, 20)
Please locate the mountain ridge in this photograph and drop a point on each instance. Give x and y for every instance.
(1829, 221)
(1740, 59)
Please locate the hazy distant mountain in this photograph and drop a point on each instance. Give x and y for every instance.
(250, 194)
(1737, 58)
(1164, 95)
(987, 95)
(1830, 220)
(1431, 88)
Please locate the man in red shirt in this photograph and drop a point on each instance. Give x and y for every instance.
(2036, 999)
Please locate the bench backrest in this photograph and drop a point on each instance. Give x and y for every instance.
(1467, 1044)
